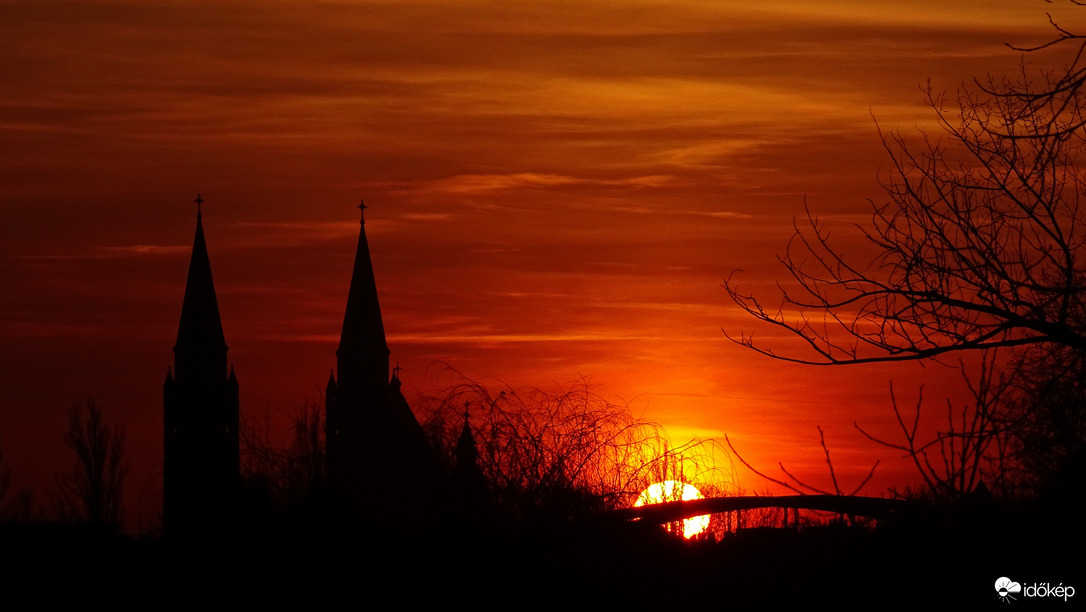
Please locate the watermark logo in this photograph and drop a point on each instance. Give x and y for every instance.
(1006, 589)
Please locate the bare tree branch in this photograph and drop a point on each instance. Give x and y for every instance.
(972, 445)
(978, 242)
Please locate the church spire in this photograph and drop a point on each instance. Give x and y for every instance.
(379, 461)
(200, 351)
(201, 467)
(363, 350)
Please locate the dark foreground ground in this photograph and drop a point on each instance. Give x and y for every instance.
(949, 563)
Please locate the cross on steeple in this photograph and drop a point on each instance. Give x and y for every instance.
(362, 207)
(199, 201)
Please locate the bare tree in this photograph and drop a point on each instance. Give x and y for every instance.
(95, 484)
(289, 469)
(306, 454)
(1045, 422)
(561, 454)
(979, 244)
(972, 446)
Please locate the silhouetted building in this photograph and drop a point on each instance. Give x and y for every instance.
(200, 478)
(469, 487)
(379, 463)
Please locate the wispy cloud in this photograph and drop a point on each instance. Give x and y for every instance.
(466, 184)
(504, 338)
(148, 249)
(111, 252)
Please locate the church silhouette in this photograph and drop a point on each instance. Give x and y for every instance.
(379, 462)
(201, 462)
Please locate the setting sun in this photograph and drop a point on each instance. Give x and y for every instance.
(673, 490)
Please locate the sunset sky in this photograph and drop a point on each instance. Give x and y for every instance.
(556, 190)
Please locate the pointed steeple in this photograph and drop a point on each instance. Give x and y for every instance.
(363, 351)
(200, 351)
(467, 454)
(201, 467)
(469, 483)
(379, 461)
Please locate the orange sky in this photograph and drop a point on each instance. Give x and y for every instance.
(556, 190)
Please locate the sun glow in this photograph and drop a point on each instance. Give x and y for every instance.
(673, 490)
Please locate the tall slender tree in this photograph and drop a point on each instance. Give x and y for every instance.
(94, 485)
